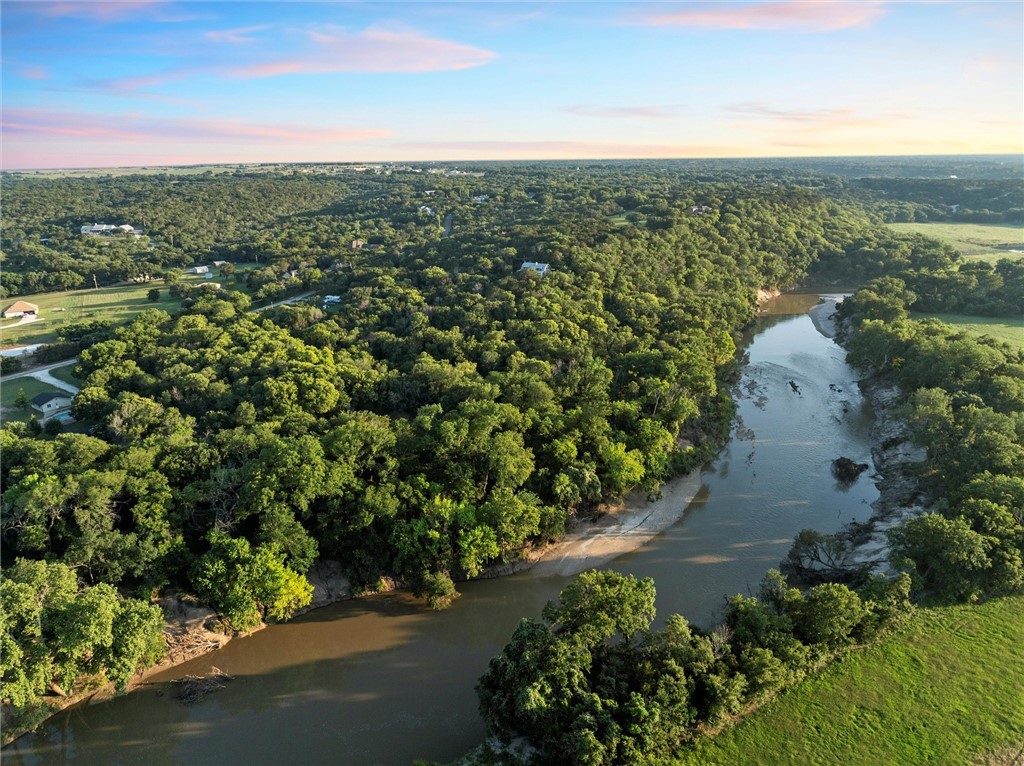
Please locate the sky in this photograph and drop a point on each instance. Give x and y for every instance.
(161, 82)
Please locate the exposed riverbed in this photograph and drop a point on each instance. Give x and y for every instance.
(381, 680)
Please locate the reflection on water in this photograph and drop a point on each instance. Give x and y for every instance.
(380, 680)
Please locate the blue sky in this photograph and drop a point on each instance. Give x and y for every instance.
(162, 82)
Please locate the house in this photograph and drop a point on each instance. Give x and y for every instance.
(480, 199)
(331, 300)
(425, 210)
(541, 268)
(198, 270)
(20, 309)
(218, 264)
(51, 402)
(699, 209)
(109, 228)
(357, 244)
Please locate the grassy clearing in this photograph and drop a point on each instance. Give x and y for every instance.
(619, 219)
(66, 373)
(117, 303)
(944, 691)
(975, 241)
(1007, 329)
(9, 392)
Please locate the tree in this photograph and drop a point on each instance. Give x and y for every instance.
(247, 585)
(945, 556)
(21, 399)
(153, 295)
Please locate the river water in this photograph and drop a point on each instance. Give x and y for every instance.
(382, 680)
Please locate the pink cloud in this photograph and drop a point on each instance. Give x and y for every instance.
(237, 36)
(35, 124)
(818, 16)
(376, 49)
(35, 73)
(101, 11)
(621, 112)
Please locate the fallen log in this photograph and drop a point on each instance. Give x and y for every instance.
(194, 689)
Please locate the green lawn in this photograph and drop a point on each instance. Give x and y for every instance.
(9, 392)
(66, 373)
(117, 303)
(1007, 329)
(619, 219)
(945, 690)
(974, 240)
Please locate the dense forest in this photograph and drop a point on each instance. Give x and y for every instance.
(450, 409)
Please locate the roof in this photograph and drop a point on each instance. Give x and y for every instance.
(21, 306)
(40, 400)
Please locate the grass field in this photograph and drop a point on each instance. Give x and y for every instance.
(974, 241)
(944, 691)
(619, 219)
(117, 303)
(1007, 329)
(9, 392)
(66, 373)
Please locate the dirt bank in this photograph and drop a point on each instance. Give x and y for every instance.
(619, 531)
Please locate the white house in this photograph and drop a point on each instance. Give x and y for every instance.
(425, 210)
(51, 402)
(108, 228)
(198, 270)
(480, 198)
(541, 268)
(331, 299)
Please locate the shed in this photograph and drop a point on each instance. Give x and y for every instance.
(20, 309)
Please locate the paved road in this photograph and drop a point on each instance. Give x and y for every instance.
(43, 374)
(286, 300)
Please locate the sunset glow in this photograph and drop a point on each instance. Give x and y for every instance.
(135, 83)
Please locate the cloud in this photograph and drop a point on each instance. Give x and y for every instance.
(101, 11)
(35, 124)
(237, 36)
(793, 15)
(35, 73)
(621, 112)
(376, 49)
(774, 118)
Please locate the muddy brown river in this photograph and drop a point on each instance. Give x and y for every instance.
(383, 681)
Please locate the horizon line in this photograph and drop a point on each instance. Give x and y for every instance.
(508, 160)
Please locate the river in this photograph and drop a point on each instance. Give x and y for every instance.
(382, 680)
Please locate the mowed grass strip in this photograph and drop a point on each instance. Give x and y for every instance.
(945, 690)
(975, 241)
(118, 303)
(1007, 329)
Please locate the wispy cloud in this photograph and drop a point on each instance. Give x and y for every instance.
(35, 73)
(34, 124)
(376, 49)
(794, 15)
(241, 35)
(621, 112)
(96, 11)
(775, 118)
